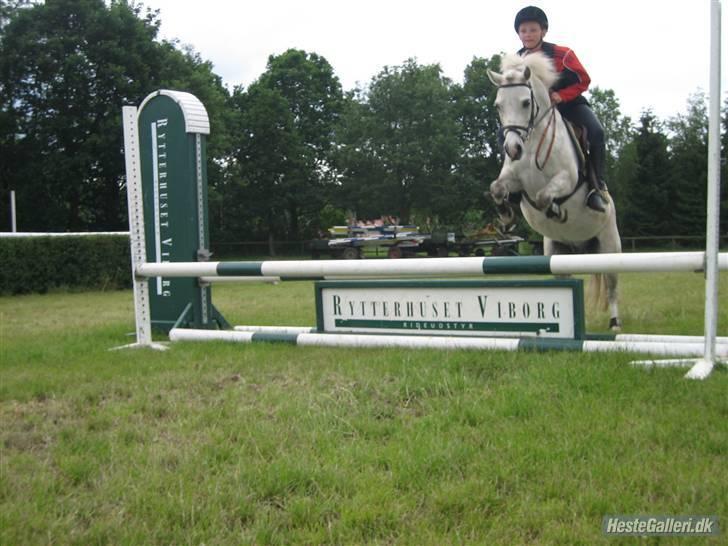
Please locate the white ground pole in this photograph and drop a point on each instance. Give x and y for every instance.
(655, 338)
(295, 336)
(702, 367)
(132, 153)
(647, 341)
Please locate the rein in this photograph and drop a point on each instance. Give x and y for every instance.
(552, 124)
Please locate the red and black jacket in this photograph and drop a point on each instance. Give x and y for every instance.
(573, 77)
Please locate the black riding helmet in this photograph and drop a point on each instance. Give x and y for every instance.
(531, 13)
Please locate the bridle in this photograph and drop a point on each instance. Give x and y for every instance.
(533, 121)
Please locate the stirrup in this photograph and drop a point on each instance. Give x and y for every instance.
(595, 201)
(555, 212)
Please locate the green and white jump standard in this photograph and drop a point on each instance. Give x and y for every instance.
(166, 167)
(167, 193)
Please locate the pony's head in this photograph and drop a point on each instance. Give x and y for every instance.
(517, 69)
(522, 86)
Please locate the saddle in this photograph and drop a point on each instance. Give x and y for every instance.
(578, 135)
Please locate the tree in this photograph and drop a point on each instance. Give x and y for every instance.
(267, 158)
(689, 152)
(646, 184)
(623, 181)
(294, 107)
(480, 157)
(360, 173)
(9, 8)
(313, 93)
(409, 136)
(617, 128)
(66, 69)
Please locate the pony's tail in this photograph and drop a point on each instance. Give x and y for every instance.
(598, 292)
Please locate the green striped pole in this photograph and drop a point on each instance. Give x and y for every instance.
(654, 338)
(576, 264)
(294, 337)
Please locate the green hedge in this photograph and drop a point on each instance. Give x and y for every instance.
(39, 264)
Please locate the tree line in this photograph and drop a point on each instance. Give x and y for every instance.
(293, 153)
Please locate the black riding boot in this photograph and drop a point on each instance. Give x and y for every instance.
(596, 198)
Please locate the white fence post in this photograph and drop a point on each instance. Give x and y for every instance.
(703, 367)
(13, 217)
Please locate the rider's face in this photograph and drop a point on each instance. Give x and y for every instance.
(531, 34)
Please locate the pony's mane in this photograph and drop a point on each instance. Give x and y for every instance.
(541, 67)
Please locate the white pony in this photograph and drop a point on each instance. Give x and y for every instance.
(543, 164)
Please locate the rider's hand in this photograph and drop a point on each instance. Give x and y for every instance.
(555, 97)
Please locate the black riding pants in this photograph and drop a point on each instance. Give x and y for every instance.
(581, 114)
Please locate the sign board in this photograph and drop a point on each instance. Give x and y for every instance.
(543, 308)
(172, 129)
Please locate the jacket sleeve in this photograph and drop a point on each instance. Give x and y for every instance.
(575, 75)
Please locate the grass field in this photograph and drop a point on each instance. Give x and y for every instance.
(274, 444)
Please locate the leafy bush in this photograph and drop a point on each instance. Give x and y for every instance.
(40, 264)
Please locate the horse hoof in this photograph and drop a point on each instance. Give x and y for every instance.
(555, 212)
(615, 325)
(497, 192)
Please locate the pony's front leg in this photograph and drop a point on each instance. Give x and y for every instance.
(499, 190)
(558, 186)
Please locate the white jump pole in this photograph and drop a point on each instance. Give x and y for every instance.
(704, 366)
(576, 264)
(243, 280)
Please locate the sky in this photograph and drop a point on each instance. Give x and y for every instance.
(653, 53)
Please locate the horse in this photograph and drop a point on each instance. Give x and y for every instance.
(542, 163)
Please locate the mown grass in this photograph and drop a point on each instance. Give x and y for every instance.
(274, 444)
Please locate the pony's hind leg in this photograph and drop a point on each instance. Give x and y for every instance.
(609, 242)
(601, 286)
(551, 247)
(612, 298)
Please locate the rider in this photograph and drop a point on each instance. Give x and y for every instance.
(531, 24)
